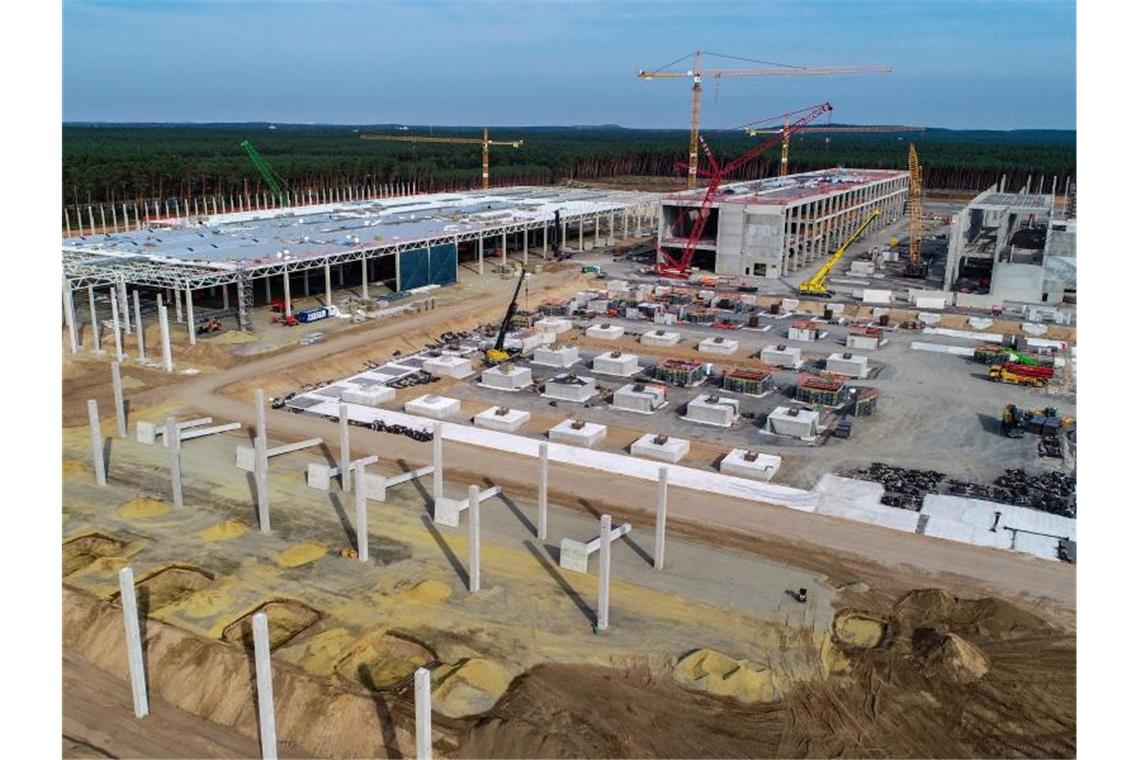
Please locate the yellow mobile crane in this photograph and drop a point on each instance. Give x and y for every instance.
(816, 285)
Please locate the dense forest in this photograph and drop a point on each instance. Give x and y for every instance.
(125, 163)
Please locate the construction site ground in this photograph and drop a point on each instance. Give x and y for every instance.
(865, 667)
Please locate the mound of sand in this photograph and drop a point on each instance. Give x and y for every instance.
(950, 657)
(224, 531)
(858, 630)
(716, 673)
(430, 591)
(469, 687)
(302, 554)
(142, 508)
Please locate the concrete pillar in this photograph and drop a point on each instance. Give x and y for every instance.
(597, 231)
(361, 515)
(480, 255)
(638, 217)
(423, 714)
(174, 448)
(604, 574)
(473, 539)
(177, 297)
(266, 723)
(268, 291)
(96, 443)
(345, 454)
(134, 641)
(288, 299)
(164, 325)
(328, 284)
(259, 412)
(545, 247)
(226, 297)
(504, 256)
(261, 480)
(659, 533)
(69, 317)
(543, 467)
(581, 234)
(625, 224)
(95, 347)
(364, 278)
(610, 231)
(125, 307)
(120, 405)
(526, 245)
(437, 463)
(190, 317)
(563, 241)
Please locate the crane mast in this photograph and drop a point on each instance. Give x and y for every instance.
(486, 142)
(915, 266)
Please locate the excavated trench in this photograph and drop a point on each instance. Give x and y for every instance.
(81, 552)
(288, 619)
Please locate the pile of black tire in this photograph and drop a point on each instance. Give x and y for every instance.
(415, 434)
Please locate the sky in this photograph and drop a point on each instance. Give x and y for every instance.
(963, 65)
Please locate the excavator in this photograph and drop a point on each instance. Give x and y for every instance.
(497, 354)
(816, 286)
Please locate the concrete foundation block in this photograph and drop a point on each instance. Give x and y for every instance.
(851, 365)
(556, 356)
(605, 332)
(502, 418)
(661, 338)
(435, 407)
(718, 345)
(643, 398)
(448, 365)
(319, 475)
(795, 423)
(506, 377)
(616, 363)
(661, 448)
(556, 325)
(587, 435)
(708, 409)
(754, 465)
(782, 356)
(370, 395)
(570, 387)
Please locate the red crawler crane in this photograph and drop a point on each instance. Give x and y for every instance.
(680, 267)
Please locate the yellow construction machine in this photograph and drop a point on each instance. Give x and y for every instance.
(816, 286)
(498, 354)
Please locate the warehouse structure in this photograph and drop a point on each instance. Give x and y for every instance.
(773, 227)
(405, 243)
(1014, 244)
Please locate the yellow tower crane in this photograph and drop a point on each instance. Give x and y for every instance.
(825, 129)
(915, 265)
(486, 142)
(774, 70)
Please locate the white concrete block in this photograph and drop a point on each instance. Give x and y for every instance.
(876, 296)
(805, 331)
(789, 304)
(862, 341)
(556, 325)
(570, 387)
(447, 365)
(782, 356)
(927, 318)
(605, 332)
(502, 418)
(556, 356)
(750, 464)
(718, 345)
(797, 423)
(709, 409)
(616, 363)
(665, 318)
(372, 395)
(661, 448)
(933, 303)
(644, 398)
(661, 338)
(852, 365)
(588, 434)
(318, 475)
(435, 407)
(575, 555)
(506, 377)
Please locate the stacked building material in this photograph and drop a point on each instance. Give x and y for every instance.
(804, 329)
(813, 389)
(679, 372)
(554, 308)
(864, 337)
(752, 382)
(698, 315)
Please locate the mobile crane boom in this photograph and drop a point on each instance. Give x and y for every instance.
(497, 354)
(266, 171)
(816, 285)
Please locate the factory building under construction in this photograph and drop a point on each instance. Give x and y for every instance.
(774, 227)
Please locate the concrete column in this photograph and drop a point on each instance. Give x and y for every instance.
(437, 463)
(638, 217)
(581, 235)
(268, 291)
(69, 317)
(610, 230)
(345, 453)
(259, 412)
(625, 224)
(504, 256)
(659, 533)
(164, 325)
(364, 278)
(545, 247)
(261, 480)
(288, 299)
(480, 255)
(120, 405)
(226, 297)
(266, 722)
(597, 231)
(328, 284)
(526, 245)
(604, 574)
(177, 298)
(134, 641)
(543, 467)
(563, 241)
(174, 448)
(473, 539)
(96, 443)
(125, 307)
(423, 714)
(190, 317)
(361, 515)
(95, 347)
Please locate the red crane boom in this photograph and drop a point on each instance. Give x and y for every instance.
(674, 267)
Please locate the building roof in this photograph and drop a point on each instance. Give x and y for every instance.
(784, 191)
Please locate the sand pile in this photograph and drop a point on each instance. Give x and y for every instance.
(302, 554)
(142, 508)
(716, 673)
(224, 531)
(430, 591)
(469, 687)
(858, 630)
(950, 656)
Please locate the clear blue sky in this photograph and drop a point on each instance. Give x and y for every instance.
(996, 65)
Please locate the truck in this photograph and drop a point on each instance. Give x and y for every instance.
(1020, 374)
(314, 314)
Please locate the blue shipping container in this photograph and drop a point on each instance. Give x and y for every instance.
(312, 315)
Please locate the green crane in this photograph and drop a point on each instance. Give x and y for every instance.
(272, 178)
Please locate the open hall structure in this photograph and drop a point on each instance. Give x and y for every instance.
(404, 243)
(773, 227)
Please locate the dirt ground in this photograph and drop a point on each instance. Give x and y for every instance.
(983, 666)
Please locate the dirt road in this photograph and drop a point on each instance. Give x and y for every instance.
(795, 533)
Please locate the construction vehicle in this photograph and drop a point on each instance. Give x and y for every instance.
(817, 285)
(826, 130)
(697, 74)
(915, 265)
(1012, 422)
(210, 325)
(272, 179)
(486, 142)
(497, 354)
(1020, 374)
(288, 321)
(681, 267)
